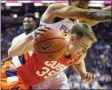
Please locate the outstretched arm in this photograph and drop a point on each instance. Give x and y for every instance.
(65, 11)
(92, 22)
(19, 46)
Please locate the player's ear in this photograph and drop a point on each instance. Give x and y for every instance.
(72, 38)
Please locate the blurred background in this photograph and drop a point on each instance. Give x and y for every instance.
(99, 58)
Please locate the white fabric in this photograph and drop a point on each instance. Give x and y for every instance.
(57, 81)
(12, 79)
(16, 61)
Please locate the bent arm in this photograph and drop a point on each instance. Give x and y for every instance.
(80, 68)
(19, 46)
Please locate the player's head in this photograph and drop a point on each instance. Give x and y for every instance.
(29, 22)
(79, 3)
(81, 39)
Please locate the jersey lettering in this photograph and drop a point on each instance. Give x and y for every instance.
(60, 67)
(47, 70)
(52, 64)
(65, 29)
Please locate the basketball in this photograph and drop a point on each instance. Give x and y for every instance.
(50, 45)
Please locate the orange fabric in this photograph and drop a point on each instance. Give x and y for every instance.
(4, 83)
(39, 69)
(28, 71)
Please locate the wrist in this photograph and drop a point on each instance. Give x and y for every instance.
(82, 73)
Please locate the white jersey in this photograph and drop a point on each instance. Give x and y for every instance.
(64, 25)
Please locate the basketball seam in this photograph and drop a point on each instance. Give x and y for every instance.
(49, 39)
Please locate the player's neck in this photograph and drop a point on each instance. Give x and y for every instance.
(28, 31)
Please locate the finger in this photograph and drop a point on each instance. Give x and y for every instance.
(41, 29)
(93, 77)
(37, 32)
(47, 28)
(89, 77)
(44, 28)
(83, 78)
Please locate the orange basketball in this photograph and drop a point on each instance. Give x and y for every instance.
(51, 45)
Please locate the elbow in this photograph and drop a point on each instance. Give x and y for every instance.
(11, 53)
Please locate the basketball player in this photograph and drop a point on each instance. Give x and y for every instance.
(35, 70)
(63, 17)
(29, 24)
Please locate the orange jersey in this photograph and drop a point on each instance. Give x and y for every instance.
(36, 70)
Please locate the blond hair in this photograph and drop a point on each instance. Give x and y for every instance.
(83, 30)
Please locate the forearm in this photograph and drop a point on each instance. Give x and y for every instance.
(92, 22)
(80, 68)
(20, 46)
(99, 15)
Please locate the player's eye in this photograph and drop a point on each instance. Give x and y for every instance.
(84, 51)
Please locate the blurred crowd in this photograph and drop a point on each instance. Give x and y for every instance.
(7, 36)
(100, 56)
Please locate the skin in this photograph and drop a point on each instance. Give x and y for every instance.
(28, 24)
